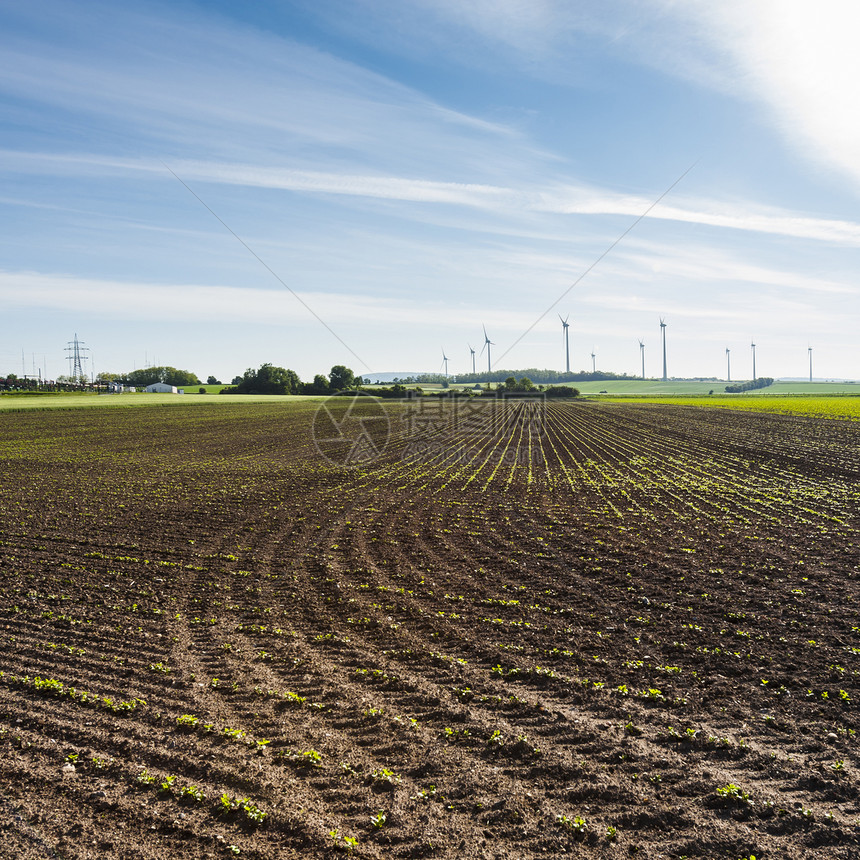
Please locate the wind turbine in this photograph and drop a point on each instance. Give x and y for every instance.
(473, 358)
(593, 361)
(728, 365)
(445, 362)
(752, 346)
(487, 344)
(642, 353)
(663, 333)
(565, 325)
(809, 349)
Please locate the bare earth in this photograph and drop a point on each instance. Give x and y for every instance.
(522, 631)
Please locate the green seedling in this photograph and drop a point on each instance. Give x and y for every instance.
(385, 777)
(252, 812)
(192, 794)
(309, 758)
(495, 740)
(734, 794)
(575, 825)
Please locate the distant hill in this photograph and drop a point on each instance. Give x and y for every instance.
(814, 379)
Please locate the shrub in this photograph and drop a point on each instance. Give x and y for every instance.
(761, 382)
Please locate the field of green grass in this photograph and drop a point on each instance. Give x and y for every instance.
(684, 388)
(18, 402)
(210, 389)
(828, 400)
(838, 406)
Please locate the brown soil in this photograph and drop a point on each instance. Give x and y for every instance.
(641, 618)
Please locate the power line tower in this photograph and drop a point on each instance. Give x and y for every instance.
(77, 356)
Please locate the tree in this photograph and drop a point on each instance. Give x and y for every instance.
(168, 375)
(236, 380)
(211, 380)
(341, 377)
(269, 379)
(318, 386)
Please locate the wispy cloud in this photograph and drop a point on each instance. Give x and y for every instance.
(196, 83)
(114, 299)
(797, 59)
(705, 266)
(418, 193)
(561, 200)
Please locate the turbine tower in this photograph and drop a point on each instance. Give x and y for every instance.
(752, 346)
(593, 361)
(445, 362)
(663, 333)
(642, 354)
(728, 365)
(809, 349)
(487, 344)
(473, 358)
(565, 325)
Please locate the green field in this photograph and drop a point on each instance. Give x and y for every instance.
(210, 389)
(821, 399)
(675, 388)
(838, 406)
(18, 402)
(679, 388)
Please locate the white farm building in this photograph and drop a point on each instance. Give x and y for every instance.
(161, 388)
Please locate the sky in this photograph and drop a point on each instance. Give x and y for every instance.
(372, 182)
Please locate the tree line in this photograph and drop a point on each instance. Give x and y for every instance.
(536, 375)
(267, 379)
(761, 382)
(270, 379)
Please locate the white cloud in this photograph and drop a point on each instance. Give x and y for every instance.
(796, 58)
(705, 266)
(562, 200)
(216, 303)
(198, 85)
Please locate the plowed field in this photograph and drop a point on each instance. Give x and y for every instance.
(511, 630)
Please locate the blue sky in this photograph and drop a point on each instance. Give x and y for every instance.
(414, 169)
